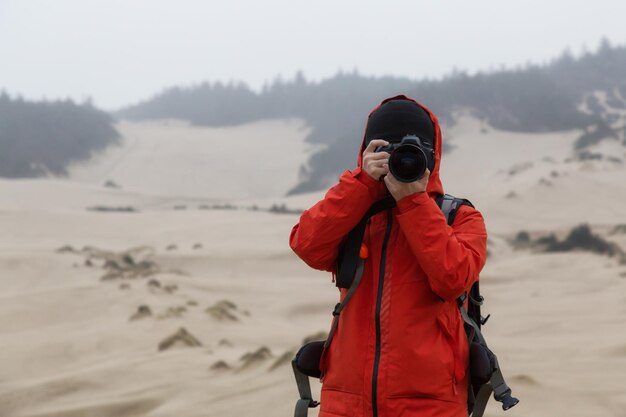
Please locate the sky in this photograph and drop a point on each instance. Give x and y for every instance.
(119, 52)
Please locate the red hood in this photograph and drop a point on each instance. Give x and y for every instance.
(434, 186)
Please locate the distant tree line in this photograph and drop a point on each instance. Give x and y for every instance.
(40, 138)
(532, 98)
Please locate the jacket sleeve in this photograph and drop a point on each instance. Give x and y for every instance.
(451, 256)
(321, 229)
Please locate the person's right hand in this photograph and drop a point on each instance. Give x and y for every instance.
(376, 164)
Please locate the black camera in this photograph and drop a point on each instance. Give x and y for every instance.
(409, 158)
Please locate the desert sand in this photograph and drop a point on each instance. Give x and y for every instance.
(185, 307)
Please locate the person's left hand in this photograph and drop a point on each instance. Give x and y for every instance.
(399, 189)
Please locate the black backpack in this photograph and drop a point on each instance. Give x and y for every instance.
(485, 374)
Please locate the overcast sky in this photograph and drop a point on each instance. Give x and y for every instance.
(121, 51)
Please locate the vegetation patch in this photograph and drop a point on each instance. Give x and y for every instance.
(42, 138)
(579, 238)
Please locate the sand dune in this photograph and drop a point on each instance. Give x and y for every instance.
(70, 348)
(170, 157)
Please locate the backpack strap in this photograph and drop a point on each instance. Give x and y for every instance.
(496, 385)
(306, 400)
(352, 264)
(449, 205)
(348, 258)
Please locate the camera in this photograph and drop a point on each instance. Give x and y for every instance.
(409, 158)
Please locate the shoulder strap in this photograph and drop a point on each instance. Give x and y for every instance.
(349, 252)
(351, 268)
(449, 205)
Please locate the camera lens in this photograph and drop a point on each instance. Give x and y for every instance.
(408, 163)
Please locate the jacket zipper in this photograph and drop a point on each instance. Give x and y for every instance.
(381, 278)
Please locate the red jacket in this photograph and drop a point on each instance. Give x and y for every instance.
(400, 349)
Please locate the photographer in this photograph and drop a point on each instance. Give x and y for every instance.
(399, 349)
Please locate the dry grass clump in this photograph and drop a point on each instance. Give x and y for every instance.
(315, 337)
(225, 342)
(283, 359)
(111, 184)
(220, 366)
(126, 264)
(517, 168)
(252, 358)
(173, 312)
(283, 209)
(180, 338)
(122, 209)
(66, 249)
(143, 311)
(224, 310)
(579, 238)
(618, 229)
(132, 263)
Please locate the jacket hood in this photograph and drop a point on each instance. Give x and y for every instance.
(434, 187)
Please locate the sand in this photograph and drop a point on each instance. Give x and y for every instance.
(69, 347)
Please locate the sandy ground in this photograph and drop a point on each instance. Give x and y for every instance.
(70, 348)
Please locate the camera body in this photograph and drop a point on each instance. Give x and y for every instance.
(409, 158)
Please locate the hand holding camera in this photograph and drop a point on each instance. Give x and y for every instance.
(410, 162)
(399, 189)
(375, 164)
(410, 158)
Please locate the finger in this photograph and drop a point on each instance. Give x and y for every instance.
(374, 143)
(379, 155)
(377, 158)
(377, 164)
(377, 173)
(388, 182)
(392, 179)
